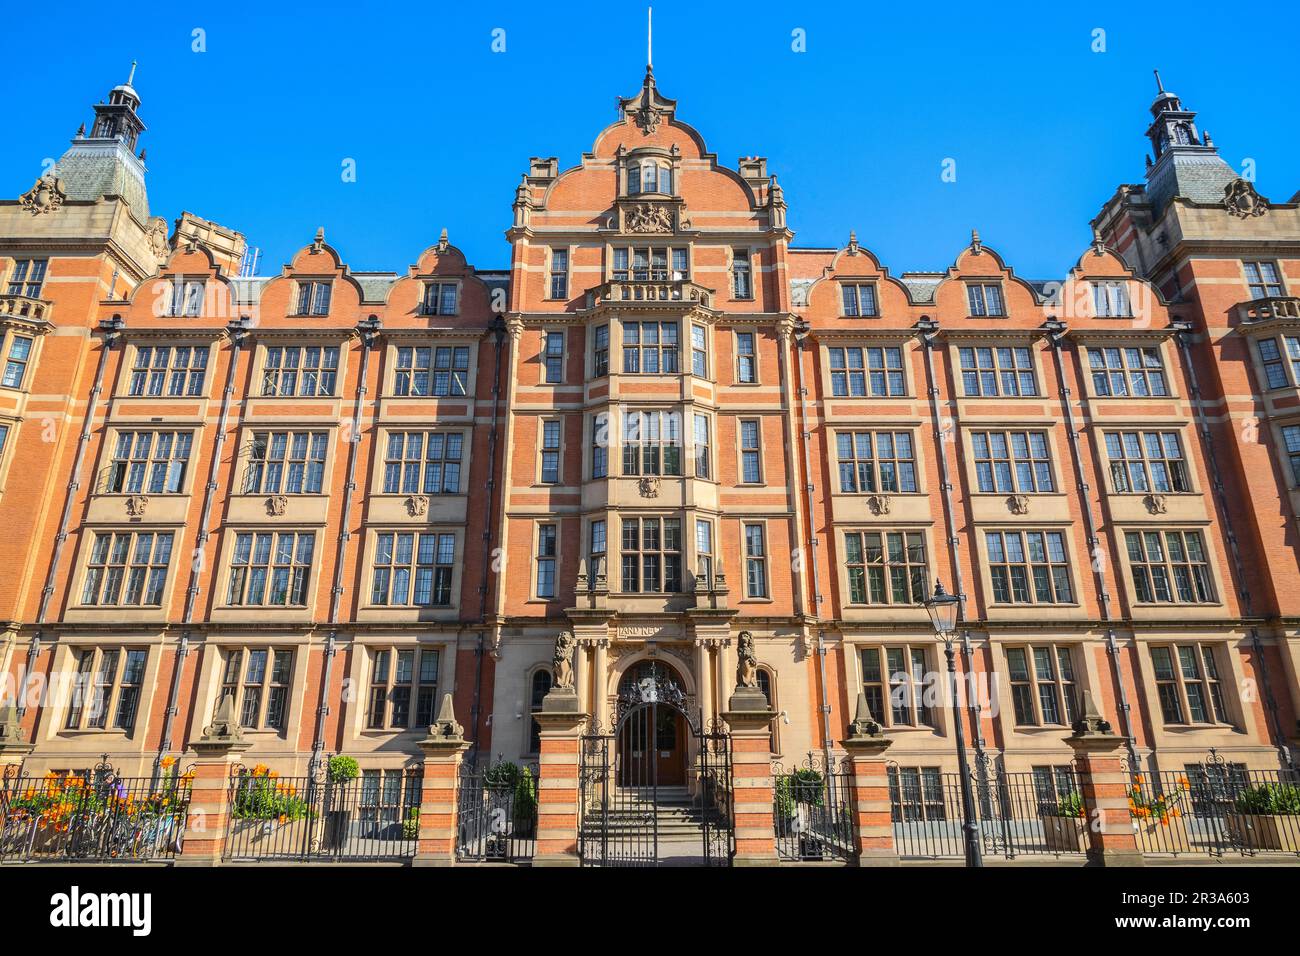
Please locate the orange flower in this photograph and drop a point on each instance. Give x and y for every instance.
(1176, 812)
(168, 762)
(1164, 821)
(283, 818)
(1137, 777)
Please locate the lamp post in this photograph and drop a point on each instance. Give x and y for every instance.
(942, 608)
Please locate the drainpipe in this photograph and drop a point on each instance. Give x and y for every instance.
(929, 329)
(237, 331)
(112, 329)
(1182, 333)
(801, 332)
(368, 329)
(498, 330)
(1056, 330)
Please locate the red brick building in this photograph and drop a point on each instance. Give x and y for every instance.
(337, 496)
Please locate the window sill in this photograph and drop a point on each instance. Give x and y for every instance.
(408, 607)
(1194, 728)
(845, 316)
(1029, 605)
(298, 398)
(757, 600)
(1166, 605)
(1041, 728)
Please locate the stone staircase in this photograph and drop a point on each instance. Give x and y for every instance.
(676, 816)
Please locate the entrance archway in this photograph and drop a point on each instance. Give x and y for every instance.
(652, 727)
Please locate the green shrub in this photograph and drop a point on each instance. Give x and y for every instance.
(1272, 799)
(1071, 805)
(411, 825)
(342, 769)
(802, 786)
(261, 796)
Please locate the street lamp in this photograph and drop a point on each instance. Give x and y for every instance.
(942, 608)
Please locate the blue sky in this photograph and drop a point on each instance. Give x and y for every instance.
(253, 132)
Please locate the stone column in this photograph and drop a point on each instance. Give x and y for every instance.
(704, 686)
(582, 675)
(443, 748)
(726, 671)
(219, 751)
(872, 822)
(749, 716)
(600, 679)
(1104, 784)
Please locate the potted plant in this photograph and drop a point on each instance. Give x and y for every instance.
(267, 809)
(411, 824)
(1267, 817)
(1158, 818)
(340, 771)
(1063, 830)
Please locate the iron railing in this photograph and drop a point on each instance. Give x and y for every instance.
(812, 810)
(373, 817)
(496, 813)
(1017, 814)
(1216, 808)
(93, 817)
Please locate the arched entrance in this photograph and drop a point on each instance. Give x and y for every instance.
(654, 789)
(652, 727)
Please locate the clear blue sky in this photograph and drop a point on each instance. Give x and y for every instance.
(252, 133)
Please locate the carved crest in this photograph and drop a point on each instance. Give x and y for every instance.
(46, 196)
(878, 504)
(1241, 200)
(1156, 504)
(648, 217)
(1018, 504)
(276, 505)
(648, 486)
(417, 505)
(157, 236)
(136, 505)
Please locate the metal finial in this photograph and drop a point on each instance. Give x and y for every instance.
(132, 74)
(649, 36)
(1159, 86)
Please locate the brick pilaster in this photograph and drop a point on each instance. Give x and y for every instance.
(439, 796)
(873, 823)
(561, 721)
(209, 808)
(750, 719)
(1104, 785)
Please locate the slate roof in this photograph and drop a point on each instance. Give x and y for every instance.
(92, 168)
(1198, 177)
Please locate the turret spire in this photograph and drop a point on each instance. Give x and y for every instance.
(649, 33)
(131, 76)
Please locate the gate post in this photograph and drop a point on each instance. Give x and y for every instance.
(208, 815)
(1104, 785)
(560, 720)
(443, 749)
(750, 716)
(872, 819)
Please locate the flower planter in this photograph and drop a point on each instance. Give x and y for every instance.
(1258, 831)
(258, 837)
(1154, 836)
(1063, 833)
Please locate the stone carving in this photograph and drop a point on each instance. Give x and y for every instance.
(46, 196)
(746, 662)
(649, 217)
(224, 725)
(562, 661)
(1156, 504)
(1091, 723)
(976, 246)
(1241, 200)
(136, 505)
(11, 730)
(1098, 245)
(1018, 504)
(648, 486)
(864, 725)
(276, 505)
(878, 504)
(853, 242)
(444, 726)
(318, 243)
(417, 505)
(157, 238)
(443, 243)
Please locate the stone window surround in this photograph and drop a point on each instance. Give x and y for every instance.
(208, 684)
(51, 728)
(360, 664)
(411, 612)
(383, 429)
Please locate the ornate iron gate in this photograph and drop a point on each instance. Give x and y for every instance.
(641, 806)
(496, 818)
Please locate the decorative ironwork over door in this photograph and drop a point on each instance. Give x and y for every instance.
(655, 789)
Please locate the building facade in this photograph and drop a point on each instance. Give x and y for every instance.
(337, 496)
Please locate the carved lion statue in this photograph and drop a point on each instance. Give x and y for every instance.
(562, 661)
(746, 663)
